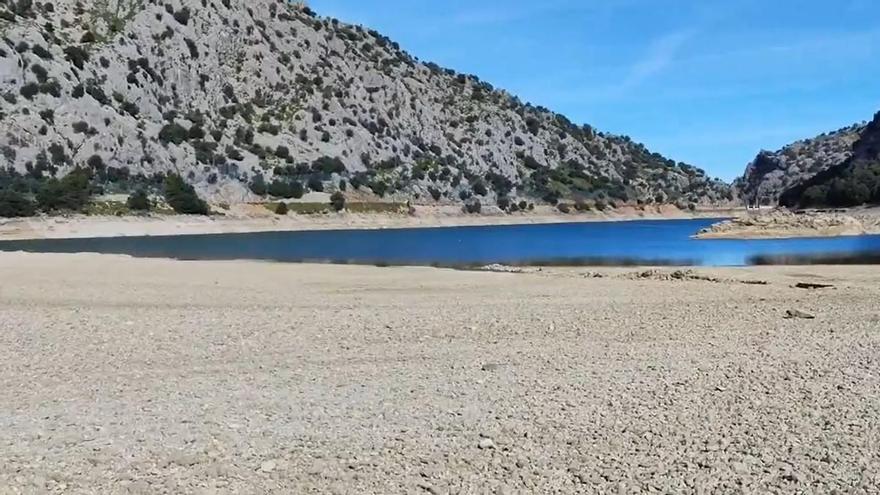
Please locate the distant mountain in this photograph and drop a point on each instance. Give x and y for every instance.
(772, 173)
(853, 182)
(245, 99)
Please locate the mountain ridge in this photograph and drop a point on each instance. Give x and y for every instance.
(248, 100)
(853, 182)
(771, 173)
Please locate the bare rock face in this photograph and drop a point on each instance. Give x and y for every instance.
(240, 96)
(772, 173)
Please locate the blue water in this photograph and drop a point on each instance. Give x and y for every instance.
(665, 242)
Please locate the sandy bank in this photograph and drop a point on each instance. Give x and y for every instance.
(778, 224)
(153, 376)
(255, 218)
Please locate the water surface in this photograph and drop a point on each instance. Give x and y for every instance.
(649, 242)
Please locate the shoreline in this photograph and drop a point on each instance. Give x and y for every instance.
(255, 219)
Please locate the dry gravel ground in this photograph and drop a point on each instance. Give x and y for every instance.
(151, 376)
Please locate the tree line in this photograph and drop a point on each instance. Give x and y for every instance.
(26, 196)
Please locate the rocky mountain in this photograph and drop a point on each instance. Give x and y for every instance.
(772, 173)
(852, 182)
(245, 99)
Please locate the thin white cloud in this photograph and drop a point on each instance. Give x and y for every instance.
(487, 16)
(817, 46)
(525, 10)
(660, 55)
(734, 71)
(749, 133)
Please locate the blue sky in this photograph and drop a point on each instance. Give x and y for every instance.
(709, 82)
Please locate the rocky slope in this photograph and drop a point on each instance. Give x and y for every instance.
(772, 173)
(265, 96)
(853, 182)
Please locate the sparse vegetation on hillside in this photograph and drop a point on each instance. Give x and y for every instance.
(182, 197)
(14, 204)
(772, 173)
(268, 97)
(853, 182)
(139, 201)
(337, 201)
(70, 193)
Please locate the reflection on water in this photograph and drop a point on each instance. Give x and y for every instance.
(666, 242)
(862, 258)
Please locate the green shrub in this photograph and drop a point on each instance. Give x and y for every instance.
(182, 16)
(282, 152)
(581, 205)
(76, 55)
(139, 201)
(531, 163)
(81, 127)
(533, 125)
(29, 90)
(196, 132)
(815, 196)
(182, 197)
(282, 208)
(379, 188)
(40, 72)
(297, 189)
(15, 205)
(41, 52)
(316, 184)
(480, 188)
(70, 193)
(337, 200)
(173, 133)
(280, 189)
(258, 185)
(48, 116)
(95, 162)
(473, 207)
(328, 165)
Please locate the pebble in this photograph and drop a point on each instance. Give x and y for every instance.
(486, 443)
(792, 314)
(184, 459)
(504, 490)
(429, 488)
(268, 466)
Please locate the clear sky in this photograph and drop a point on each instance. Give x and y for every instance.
(709, 82)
